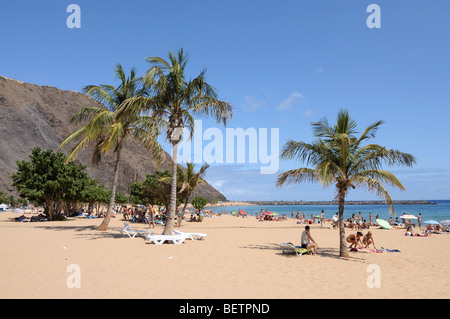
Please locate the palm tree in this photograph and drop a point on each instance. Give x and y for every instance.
(108, 131)
(339, 158)
(189, 181)
(173, 98)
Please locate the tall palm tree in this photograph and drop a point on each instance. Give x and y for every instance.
(173, 98)
(189, 180)
(108, 131)
(338, 157)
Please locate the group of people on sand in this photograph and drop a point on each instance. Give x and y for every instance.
(359, 240)
(312, 220)
(140, 214)
(359, 223)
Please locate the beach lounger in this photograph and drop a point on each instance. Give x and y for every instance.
(160, 239)
(193, 236)
(291, 248)
(132, 233)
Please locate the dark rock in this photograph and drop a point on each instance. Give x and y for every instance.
(38, 116)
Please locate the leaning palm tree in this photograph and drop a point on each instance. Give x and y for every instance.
(189, 180)
(338, 158)
(108, 131)
(175, 99)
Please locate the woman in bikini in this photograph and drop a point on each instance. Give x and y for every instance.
(354, 239)
(368, 239)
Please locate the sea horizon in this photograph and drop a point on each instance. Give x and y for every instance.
(439, 211)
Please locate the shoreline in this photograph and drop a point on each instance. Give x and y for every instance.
(318, 203)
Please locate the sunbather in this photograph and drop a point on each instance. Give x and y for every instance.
(409, 231)
(368, 239)
(354, 239)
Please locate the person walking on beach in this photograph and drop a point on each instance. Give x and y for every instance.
(419, 220)
(307, 239)
(151, 216)
(322, 218)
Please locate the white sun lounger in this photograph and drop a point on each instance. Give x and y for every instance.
(132, 232)
(160, 239)
(193, 236)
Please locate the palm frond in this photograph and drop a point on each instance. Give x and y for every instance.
(296, 176)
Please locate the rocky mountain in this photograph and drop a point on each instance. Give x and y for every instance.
(38, 116)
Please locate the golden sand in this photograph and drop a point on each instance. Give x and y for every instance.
(239, 258)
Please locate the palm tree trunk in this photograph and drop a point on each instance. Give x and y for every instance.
(173, 193)
(104, 225)
(342, 241)
(180, 218)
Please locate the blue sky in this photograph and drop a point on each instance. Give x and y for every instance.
(281, 64)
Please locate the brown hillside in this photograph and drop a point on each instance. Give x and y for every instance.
(38, 116)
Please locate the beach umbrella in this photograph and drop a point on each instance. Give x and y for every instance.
(431, 222)
(409, 217)
(384, 224)
(243, 212)
(445, 222)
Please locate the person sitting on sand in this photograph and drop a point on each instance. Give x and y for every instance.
(307, 239)
(354, 239)
(350, 224)
(368, 239)
(335, 220)
(409, 231)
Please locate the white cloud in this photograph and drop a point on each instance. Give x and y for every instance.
(308, 113)
(288, 103)
(219, 183)
(252, 104)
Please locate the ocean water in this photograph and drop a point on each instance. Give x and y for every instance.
(439, 211)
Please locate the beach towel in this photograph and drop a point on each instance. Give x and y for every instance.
(390, 250)
(366, 250)
(299, 249)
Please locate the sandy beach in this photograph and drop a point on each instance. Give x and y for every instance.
(239, 258)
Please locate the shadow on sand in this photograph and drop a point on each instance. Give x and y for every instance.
(325, 252)
(89, 232)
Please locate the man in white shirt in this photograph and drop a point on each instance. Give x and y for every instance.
(307, 239)
(335, 221)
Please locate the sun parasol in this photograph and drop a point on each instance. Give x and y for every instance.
(445, 222)
(384, 224)
(409, 217)
(270, 213)
(431, 222)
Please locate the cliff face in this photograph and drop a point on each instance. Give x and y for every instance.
(38, 116)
